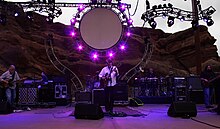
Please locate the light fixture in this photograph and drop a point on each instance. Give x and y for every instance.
(170, 21)
(152, 23)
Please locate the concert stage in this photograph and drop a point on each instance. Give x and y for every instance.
(151, 116)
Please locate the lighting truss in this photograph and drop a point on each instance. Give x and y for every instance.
(167, 10)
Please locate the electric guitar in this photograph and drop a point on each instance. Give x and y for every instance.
(9, 83)
(207, 83)
(104, 80)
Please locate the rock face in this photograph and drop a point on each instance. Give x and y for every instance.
(22, 44)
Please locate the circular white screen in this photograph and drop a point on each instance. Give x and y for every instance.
(100, 28)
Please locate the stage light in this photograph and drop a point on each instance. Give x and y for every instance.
(122, 47)
(182, 19)
(73, 21)
(170, 5)
(164, 15)
(3, 19)
(152, 23)
(128, 34)
(209, 22)
(170, 21)
(80, 47)
(130, 21)
(73, 34)
(81, 7)
(122, 7)
(110, 54)
(95, 56)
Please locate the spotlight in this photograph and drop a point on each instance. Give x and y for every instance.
(95, 56)
(110, 54)
(209, 22)
(122, 7)
(81, 7)
(152, 23)
(80, 47)
(73, 34)
(130, 21)
(73, 21)
(182, 19)
(170, 5)
(3, 19)
(170, 21)
(128, 34)
(122, 47)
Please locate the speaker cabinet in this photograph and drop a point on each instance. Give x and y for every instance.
(182, 109)
(88, 111)
(5, 107)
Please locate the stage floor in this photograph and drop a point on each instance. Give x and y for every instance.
(149, 116)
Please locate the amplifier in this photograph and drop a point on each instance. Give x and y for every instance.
(98, 97)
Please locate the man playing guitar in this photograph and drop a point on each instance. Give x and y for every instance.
(9, 80)
(206, 76)
(108, 78)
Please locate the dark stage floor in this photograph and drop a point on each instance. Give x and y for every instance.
(151, 116)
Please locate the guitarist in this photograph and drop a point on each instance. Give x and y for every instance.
(109, 74)
(208, 87)
(9, 78)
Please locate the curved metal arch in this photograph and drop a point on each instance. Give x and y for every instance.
(140, 65)
(76, 83)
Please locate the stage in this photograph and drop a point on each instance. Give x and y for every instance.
(151, 116)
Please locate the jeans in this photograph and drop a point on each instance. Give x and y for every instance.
(109, 98)
(11, 95)
(208, 92)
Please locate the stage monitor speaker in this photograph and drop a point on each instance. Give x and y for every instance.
(5, 107)
(135, 102)
(88, 111)
(182, 109)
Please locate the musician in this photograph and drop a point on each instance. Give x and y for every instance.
(109, 74)
(10, 77)
(205, 76)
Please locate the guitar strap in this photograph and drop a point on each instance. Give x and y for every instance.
(110, 74)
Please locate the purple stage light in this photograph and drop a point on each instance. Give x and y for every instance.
(128, 34)
(73, 21)
(80, 47)
(95, 56)
(110, 54)
(122, 47)
(122, 7)
(73, 34)
(81, 7)
(130, 21)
